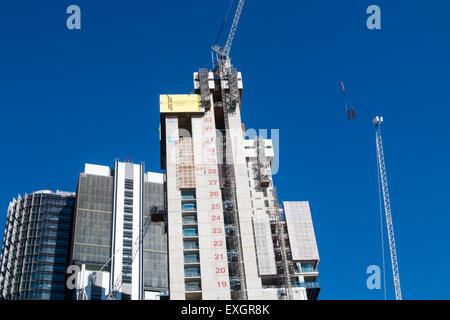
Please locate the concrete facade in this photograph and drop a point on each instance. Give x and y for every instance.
(126, 264)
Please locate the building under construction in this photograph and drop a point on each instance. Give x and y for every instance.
(228, 237)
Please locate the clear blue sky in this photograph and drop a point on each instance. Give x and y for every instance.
(70, 97)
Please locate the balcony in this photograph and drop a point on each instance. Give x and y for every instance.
(308, 269)
(192, 272)
(190, 245)
(193, 286)
(308, 285)
(190, 232)
(191, 258)
(188, 207)
(187, 195)
(305, 267)
(189, 220)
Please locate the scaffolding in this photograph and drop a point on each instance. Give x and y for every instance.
(262, 165)
(261, 168)
(234, 89)
(229, 101)
(286, 276)
(229, 197)
(185, 163)
(203, 76)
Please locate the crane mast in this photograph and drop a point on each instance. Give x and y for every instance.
(387, 207)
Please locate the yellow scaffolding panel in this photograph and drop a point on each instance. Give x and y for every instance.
(180, 103)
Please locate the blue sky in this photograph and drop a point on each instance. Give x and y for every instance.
(70, 97)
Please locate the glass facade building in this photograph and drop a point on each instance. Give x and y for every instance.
(35, 247)
(114, 208)
(93, 220)
(155, 240)
(112, 231)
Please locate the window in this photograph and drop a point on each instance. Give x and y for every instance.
(307, 267)
(192, 271)
(191, 258)
(129, 184)
(128, 226)
(128, 194)
(190, 244)
(193, 286)
(128, 209)
(190, 231)
(187, 194)
(128, 234)
(188, 207)
(189, 219)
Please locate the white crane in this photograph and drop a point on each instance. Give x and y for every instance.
(387, 206)
(224, 53)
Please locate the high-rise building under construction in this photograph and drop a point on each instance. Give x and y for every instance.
(228, 238)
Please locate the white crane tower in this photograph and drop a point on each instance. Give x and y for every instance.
(387, 207)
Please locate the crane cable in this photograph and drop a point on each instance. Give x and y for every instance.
(345, 96)
(381, 226)
(224, 22)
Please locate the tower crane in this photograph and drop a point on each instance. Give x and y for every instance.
(223, 54)
(387, 206)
